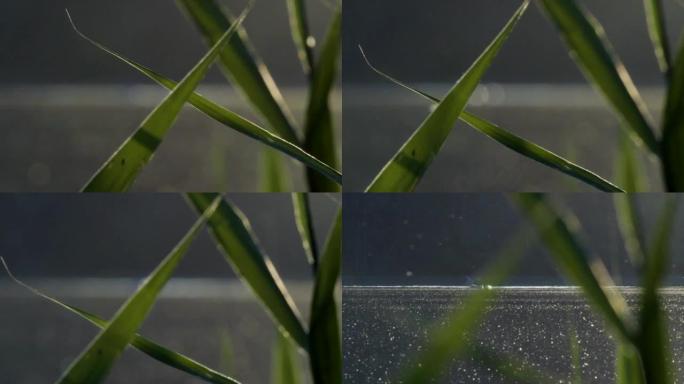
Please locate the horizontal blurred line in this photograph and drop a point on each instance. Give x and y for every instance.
(119, 288)
(507, 288)
(136, 95)
(491, 95)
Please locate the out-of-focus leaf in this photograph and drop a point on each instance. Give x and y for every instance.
(230, 118)
(593, 53)
(559, 234)
(515, 143)
(673, 127)
(144, 345)
(273, 173)
(304, 222)
(658, 33)
(284, 362)
(575, 353)
(630, 227)
(119, 172)
(452, 339)
(96, 360)
(235, 240)
(319, 134)
(628, 365)
(242, 66)
(653, 340)
(325, 353)
(299, 26)
(628, 171)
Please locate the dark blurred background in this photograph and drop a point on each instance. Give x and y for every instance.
(447, 239)
(437, 40)
(39, 46)
(126, 235)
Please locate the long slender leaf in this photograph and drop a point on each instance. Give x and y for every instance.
(94, 363)
(575, 353)
(325, 353)
(234, 237)
(403, 172)
(558, 232)
(653, 340)
(273, 175)
(301, 36)
(450, 340)
(242, 66)
(284, 362)
(630, 227)
(673, 127)
(319, 136)
(304, 222)
(516, 143)
(147, 346)
(593, 53)
(229, 118)
(119, 172)
(658, 33)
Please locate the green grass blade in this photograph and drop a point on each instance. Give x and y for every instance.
(325, 352)
(575, 353)
(242, 66)
(630, 227)
(559, 234)
(539, 154)
(284, 362)
(96, 360)
(515, 143)
(593, 53)
(304, 222)
(319, 136)
(450, 341)
(273, 172)
(230, 118)
(233, 234)
(628, 171)
(628, 365)
(658, 33)
(403, 172)
(119, 172)
(673, 127)
(653, 340)
(304, 41)
(147, 346)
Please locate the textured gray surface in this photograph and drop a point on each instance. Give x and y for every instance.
(385, 328)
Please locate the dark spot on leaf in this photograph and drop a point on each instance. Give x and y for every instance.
(413, 152)
(123, 161)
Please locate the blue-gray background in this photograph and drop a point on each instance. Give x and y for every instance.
(446, 239)
(436, 40)
(40, 47)
(126, 235)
